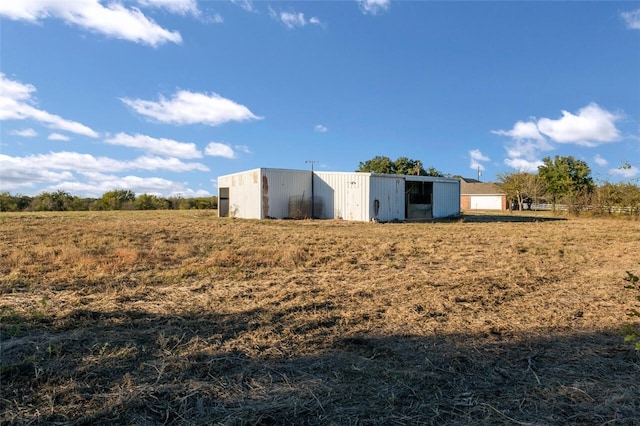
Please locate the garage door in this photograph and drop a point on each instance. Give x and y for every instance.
(486, 202)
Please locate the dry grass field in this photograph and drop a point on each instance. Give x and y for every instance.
(180, 317)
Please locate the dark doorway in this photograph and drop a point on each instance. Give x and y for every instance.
(223, 202)
(418, 200)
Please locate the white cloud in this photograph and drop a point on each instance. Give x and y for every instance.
(527, 148)
(625, 172)
(245, 4)
(600, 161)
(94, 184)
(36, 164)
(216, 149)
(373, 7)
(217, 19)
(523, 165)
(320, 128)
(243, 148)
(17, 173)
(58, 137)
(293, 19)
(521, 131)
(25, 133)
(180, 7)
(160, 146)
(192, 108)
(476, 157)
(111, 19)
(160, 163)
(523, 154)
(93, 176)
(590, 127)
(632, 19)
(16, 104)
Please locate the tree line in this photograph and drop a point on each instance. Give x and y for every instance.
(118, 199)
(568, 182)
(563, 181)
(401, 166)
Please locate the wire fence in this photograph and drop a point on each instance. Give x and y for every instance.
(597, 209)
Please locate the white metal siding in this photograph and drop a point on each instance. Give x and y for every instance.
(389, 191)
(486, 202)
(261, 193)
(446, 198)
(244, 193)
(325, 194)
(278, 185)
(349, 192)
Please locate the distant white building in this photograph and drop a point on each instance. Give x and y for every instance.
(279, 193)
(476, 195)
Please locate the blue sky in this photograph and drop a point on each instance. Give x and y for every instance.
(164, 96)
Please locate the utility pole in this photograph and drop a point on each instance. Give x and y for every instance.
(313, 201)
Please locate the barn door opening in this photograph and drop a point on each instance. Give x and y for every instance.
(223, 202)
(418, 200)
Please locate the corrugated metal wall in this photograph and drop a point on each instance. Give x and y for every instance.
(349, 192)
(446, 198)
(244, 193)
(262, 193)
(279, 187)
(389, 192)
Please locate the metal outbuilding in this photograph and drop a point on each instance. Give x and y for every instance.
(281, 193)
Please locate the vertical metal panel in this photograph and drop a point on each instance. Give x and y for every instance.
(389, 193)
(350, 194)
(244, 193)
(278, 186)
(262, 193)
(446, 198)
(324, 194)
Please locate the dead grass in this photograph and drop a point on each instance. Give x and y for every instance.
(185, 318)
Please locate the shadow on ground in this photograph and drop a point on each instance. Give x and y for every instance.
(514, 217)
(132, 367)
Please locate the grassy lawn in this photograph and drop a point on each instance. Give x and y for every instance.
(180, 317)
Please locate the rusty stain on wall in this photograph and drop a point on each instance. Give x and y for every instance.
(265, 197)
(255, 175)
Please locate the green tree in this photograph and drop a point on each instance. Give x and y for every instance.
(8, 202)
(630, 197)
(201, 203)
(407, 166)
(151, 202)
(566, 179)
(52, 201)
(378, 164)
(80, 204)
(520, 187)
(432, 171)
(607, 197)
(116, 199)
(401, 166)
